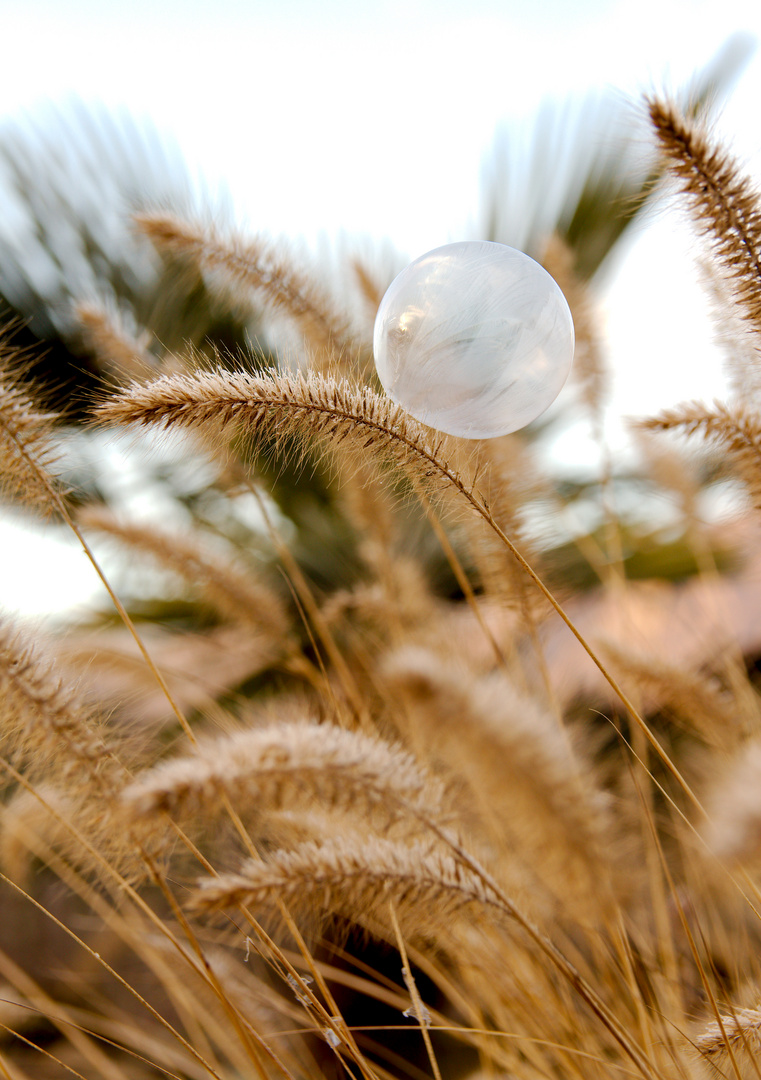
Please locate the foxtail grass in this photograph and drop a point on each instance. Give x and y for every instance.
(384, 811)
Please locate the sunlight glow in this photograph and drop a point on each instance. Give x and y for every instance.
(374, 121)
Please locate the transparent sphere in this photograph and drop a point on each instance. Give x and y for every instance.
(475, 339)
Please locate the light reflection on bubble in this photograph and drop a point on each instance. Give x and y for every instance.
(474, 338)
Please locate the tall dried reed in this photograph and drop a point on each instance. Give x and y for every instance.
(474, 817)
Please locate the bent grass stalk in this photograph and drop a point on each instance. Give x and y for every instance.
(110, 916)
(422, 879)
(254, 267)
(417, 1001)
(57, 500)
(80, 941)
(723, 202)
(314, 406)
(585, 991)
(327, 1018)
(142, 905)
(585, 997)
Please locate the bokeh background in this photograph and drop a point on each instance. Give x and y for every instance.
(383, 129)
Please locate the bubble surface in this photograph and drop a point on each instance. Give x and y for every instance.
(474, 339)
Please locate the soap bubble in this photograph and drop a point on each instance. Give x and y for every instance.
(475, 339)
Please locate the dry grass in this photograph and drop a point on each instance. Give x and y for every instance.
(723, 202)
(247, 267)
(258, 845)
(27, 453)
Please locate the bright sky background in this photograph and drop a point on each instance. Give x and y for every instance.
(330, 117)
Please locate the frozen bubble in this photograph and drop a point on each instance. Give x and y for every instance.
(475, 339)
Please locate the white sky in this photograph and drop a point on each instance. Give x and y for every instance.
(325, 117)
(334, 115)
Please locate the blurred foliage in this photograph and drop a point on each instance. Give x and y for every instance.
(73, 243)
(587, 171)
(72, 176)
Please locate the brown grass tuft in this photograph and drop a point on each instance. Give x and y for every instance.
(695, 699)
(740, 1040)
(723, 202)
(254, 267)
(312, 408)
(734, 429)
(26, 454)
(119, 352)
(355, 877)
(282, 766)
(229, 589)
(529, 786)
(45, 723)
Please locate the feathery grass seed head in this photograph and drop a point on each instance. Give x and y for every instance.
(355, 877)
(27, 456)
(735, 429)
(285, 765)
(724, 202)
(253, 267)
(44, 721)
(349, 421)
(235, 594)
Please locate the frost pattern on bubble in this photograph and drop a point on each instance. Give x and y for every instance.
(474, 339)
